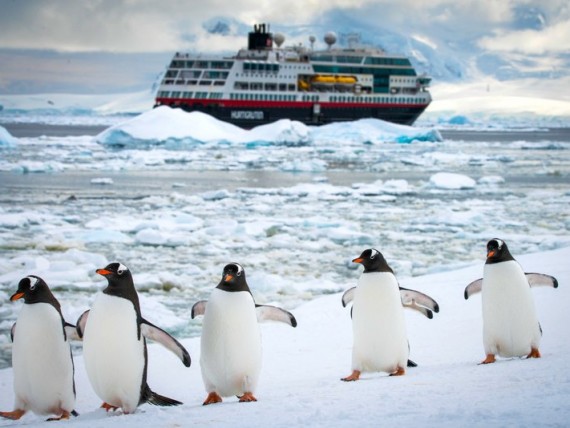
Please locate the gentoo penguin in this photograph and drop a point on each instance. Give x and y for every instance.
(41, 355)
(380, 340)
(510, 324)
(114, 344)
(411, 299)
(230, 356)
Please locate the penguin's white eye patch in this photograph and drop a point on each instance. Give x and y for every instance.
(239, 270)
(373, 253)
(121, 269)
(499, 243)
(33, 282)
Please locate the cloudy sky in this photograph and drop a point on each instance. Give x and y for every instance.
(123, 45)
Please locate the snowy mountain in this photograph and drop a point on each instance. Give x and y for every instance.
(440, 50)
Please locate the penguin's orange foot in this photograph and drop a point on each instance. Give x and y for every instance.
(534, 353)
(14, 415)
(489, 359)
(354, 376)
(247, 397)
(399, 372)
(64, 416)
(108, 407)
(212, 398)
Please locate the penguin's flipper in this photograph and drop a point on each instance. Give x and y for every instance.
(152, 332)
(71, 332)
(12, 332)
(81, 322)
(348, 296)
(266, 312)
(475, 287)
(411, 298)
(199, 308)
(540, 279)
(424, 311)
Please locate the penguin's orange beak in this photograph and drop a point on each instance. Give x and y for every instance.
(357, 260)
(16, 296)
(228, 277)
(103, 272)
(491, 253)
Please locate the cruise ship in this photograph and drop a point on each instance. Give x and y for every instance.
(269, 81)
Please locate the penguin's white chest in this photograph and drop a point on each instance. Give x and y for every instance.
(230, 356)
(113, 353)
(378, 324)
(510, 324)
(41, 360)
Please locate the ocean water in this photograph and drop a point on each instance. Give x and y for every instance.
(293, 216)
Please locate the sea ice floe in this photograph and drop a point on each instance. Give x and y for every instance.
(452, 181)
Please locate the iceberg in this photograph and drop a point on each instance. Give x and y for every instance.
(176, 129)
(6, 139)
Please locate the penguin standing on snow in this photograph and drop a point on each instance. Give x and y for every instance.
(114, 344)
(510, 324)
(41, 355)
(380, 340)
(230, 356)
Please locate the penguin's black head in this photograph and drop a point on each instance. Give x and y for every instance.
(233, 278)
(34, 290)
(373, 261)
(497, 251)
(114, 271)
(121, 283)
(118, 276)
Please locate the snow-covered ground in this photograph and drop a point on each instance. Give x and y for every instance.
(300, 381)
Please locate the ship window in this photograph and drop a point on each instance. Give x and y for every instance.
(186, 94)
(175, 94)
(256, 86)
(291, 87)
(349, 59)
(163, 94)
(190, 74)
(270, 86)
(282, 87)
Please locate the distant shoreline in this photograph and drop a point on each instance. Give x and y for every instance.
(35, 130)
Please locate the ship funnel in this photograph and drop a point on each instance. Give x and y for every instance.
(260, 38)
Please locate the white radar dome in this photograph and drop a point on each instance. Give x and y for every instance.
(330, 38)
(278, 38)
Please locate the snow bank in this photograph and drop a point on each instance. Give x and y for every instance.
(300, 379)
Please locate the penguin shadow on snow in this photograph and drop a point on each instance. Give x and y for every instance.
(510, 323)
(42, 362)
(380, 342)
(230, 343)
